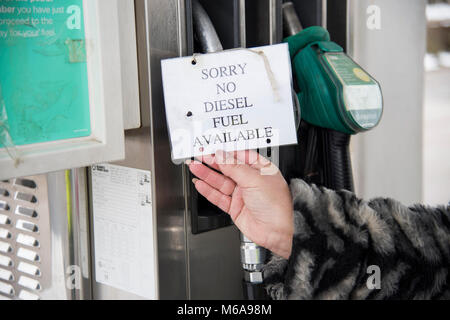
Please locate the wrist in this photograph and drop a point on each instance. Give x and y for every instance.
(283, 246)
(287, 249)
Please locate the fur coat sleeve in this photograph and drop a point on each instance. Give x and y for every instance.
(347, 248)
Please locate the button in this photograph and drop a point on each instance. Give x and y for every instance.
(5, 234)
(26, 183)
(27, 212)
(6, 275)
(4, 192)
(25, 197)
(29, 283)
(6, 289)
(29, 269)
(5, 247)
(4, 220)
(27, 254)
(6, 261)
(4, 206)
(26, 226)
(25, 295)
(27, 240)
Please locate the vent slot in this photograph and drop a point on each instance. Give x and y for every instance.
(4, 206)
(26, 212)
(25, 197)
(6, 289)
(27, 183)
(4, 192)
(28, 255)
(25, 295)
(29, 269)
(5, 234)
(5, 247)
(4, 220)
(27, 226)
(6, 262)
(6, 275)
(27, 240)
(29, 283)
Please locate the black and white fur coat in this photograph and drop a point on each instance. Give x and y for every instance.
(340, 240)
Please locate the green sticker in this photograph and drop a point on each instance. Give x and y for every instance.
(43, 70)
(347, 70)
(362, 97)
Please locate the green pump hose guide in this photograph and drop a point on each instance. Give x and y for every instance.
(335, 92)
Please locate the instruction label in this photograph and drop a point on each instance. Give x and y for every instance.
(231, 100)
(125, 254)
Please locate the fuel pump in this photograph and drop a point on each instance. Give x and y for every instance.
(337, 99)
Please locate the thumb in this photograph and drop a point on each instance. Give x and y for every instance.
(244, 175)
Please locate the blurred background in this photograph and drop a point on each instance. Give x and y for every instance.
(407, 157)
(436, 112)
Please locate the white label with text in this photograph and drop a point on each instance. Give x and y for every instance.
(231, 100)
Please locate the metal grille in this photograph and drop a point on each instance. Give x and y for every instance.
(24, 232)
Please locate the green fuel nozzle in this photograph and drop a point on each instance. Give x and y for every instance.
(334, 91)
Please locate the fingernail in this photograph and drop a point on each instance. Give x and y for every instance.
(188, 162)
(194, 181)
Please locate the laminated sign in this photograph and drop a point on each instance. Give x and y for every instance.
(231, 100)
(43, 72)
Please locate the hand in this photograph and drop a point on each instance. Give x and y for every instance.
(253, 192)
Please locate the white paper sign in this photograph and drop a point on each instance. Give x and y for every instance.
(125, 255)
(231, 100)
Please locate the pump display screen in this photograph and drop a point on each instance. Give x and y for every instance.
(44, 93)
(362, 98)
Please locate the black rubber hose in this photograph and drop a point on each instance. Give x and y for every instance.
(337, 160)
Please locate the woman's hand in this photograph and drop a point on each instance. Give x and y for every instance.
(253, 192)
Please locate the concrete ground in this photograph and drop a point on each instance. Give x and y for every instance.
(436, 154)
